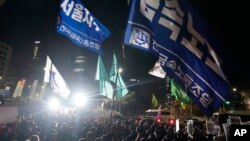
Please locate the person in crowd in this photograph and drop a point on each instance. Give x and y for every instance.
(52, 126)
(34, 138)
(1, 100)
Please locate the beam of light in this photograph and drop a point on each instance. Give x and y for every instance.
(80, 100)
(54, 104)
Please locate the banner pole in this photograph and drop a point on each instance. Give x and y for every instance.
(113, 97)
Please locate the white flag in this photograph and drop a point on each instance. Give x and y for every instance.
(47, 70)
(55, 79)
(157, 70)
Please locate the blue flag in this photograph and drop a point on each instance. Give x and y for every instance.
(80, 26)
(173, 31)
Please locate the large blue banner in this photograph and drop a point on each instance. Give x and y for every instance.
(173, 30)
(80, 26)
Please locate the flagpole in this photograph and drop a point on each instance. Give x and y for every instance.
(113, 100)
(114, 92)
(50, 70)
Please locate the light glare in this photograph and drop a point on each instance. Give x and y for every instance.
(80, 100)
(54, 104)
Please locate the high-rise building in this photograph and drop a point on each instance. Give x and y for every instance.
(81, 76)
(36, 66)
(5, 54)
(79, 70)
(79, 63)
(36, 51)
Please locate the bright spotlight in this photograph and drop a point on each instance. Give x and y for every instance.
(80, 100)
(120, 70)
(54, 104)
(66, 111)
(234, 89)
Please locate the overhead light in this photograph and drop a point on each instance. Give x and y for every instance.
(80, 100)
(54, 104)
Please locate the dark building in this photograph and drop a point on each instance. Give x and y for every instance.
(36, 66)
(83, 68)
(5, 56)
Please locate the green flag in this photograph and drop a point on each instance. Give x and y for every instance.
(155, 102)
(114, 69)
(106, 88)
(178, 92)
(120, 87)
(115, 76)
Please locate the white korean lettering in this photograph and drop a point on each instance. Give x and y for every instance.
(67, 31)
(214, 65)
(148, 12)
(72, 35)
(192, 45)
(179, 72)
(91, 44)
(172, 65)
(173, 11)
(77, 12)
(172, 14)
(205, 99)
(170, 25)
(86, 43)
(174, 4)
(163, 59)
(97, 46)
(155, 46)
(67, 8)
(62, 28)
(96, 26)
(187, 80)
(196, 90)
(77, 38)
(89, 20)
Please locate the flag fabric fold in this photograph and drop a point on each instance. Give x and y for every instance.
(106, 88)
(57, 82)
(80, 26)
(157, 70)
(121, 87)
(174, 32)
(114, 69)
(115, 77)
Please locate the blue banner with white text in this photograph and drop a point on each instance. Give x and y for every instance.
(172, 30)
(80, 26)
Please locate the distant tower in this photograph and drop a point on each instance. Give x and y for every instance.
(36, 51)
(80, 77)
(79, 64)
(5, 55)
(36, 66)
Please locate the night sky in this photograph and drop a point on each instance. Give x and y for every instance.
(24, 21)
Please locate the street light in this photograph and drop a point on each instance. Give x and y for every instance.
(120, 70)
(54, 104)
(80, 100)
(227, 102)
(234, 89)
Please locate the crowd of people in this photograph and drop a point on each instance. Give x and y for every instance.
(53, 126)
